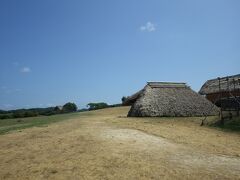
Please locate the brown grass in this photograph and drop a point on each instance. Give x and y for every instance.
(105, 144)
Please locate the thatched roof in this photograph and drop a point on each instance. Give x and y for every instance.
(169, 99)
(131, 99)
(212, 86)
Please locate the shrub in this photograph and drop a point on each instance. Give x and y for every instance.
(69, 107)
(94, 106)
(115, 105)
(123, 98)
(30, 114)
(18, 115)
(6, 116)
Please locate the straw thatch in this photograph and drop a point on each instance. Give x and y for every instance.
(169, 99)
(229, 83)
(131, 99)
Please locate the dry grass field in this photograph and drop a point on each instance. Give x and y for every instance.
(104, 144)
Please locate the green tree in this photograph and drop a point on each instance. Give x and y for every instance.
(94, 106)
(69, 107)
(123, 98)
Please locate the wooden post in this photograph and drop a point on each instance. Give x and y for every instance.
(238, 93)
(235, 95)
(234, 85)
(228, 99)
(221, 114)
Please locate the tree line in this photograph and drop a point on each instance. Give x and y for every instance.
(66, 108)
(100, 105)
(21, 113)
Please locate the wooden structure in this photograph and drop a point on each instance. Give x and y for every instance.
(225, 93)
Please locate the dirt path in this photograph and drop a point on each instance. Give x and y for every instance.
(97, 147)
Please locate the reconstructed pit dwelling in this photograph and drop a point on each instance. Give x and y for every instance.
(169, 99)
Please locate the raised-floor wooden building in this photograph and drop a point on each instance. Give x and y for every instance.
(223, 92)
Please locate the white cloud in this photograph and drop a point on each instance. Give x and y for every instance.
(25, 70)
(149, 27)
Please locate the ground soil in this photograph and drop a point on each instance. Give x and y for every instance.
(105, 144)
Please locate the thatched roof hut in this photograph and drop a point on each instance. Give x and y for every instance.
(168, 99)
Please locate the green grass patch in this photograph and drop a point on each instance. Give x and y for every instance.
(229, 125)
(7, 125)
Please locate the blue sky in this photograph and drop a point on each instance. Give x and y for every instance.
(55, 51)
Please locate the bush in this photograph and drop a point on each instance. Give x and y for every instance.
(115, 105)
(6, 116)
(123, 99)
(82, 110)
(21, 113)
(69, 107)
(94, 106)
(30, 114)
(3, 112)
(18, 114)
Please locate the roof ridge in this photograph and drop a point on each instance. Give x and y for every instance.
(225, 77)
(167, 84)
